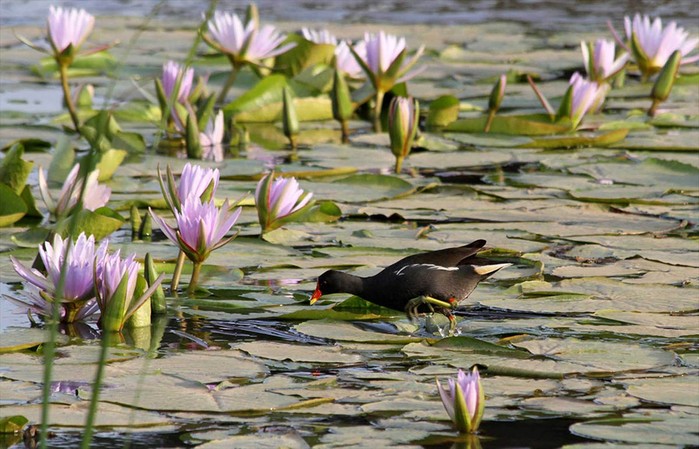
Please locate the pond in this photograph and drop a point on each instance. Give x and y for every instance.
(589, 339)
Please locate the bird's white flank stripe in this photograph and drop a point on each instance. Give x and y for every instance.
(487, 269)
(427, 266)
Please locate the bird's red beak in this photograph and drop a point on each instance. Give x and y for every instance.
(316, 295)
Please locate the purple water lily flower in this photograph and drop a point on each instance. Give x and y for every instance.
(245, 43)
(195, 181)
(278, 199)
(78, 288)
(654, 44)
(110, 274)
(464, 401)
(201, 227)
(344, 59)
(171, 71)
(601, 62)
(116, 283)
(96, 195)
(69, 26)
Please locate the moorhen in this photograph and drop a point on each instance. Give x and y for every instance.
(435, 281)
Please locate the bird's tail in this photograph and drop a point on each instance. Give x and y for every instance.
(487, 270)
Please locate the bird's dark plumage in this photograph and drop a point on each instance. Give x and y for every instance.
(448, 275)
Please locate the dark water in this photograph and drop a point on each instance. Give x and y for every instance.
(522, 434)
(537, 14)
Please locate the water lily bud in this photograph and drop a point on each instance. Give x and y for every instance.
(194, 150)
(83, 96)
(403, 116)
(666, 80)
(495, 99)
(290, 120)
(146, 230)
(341, 103)
(157, 301)
(464, 401)
(498, 93)
(135, 219)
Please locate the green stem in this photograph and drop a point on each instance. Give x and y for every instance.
(489, 122)
(72, 309)
(96, 386)
(229, 83)
(194, 280)
(178, 272)
(653, 108)
(345, 131)
(377, 110)
(399, 164)
(63, 70)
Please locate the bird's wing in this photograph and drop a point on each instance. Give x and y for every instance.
(449, 257)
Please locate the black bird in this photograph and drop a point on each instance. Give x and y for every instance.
(435, 281)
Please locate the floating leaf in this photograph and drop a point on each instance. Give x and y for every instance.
(600, 140)
(510, 125)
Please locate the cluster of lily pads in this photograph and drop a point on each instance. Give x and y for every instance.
(357, 74)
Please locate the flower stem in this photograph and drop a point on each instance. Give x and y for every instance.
(377, 110)
(72, 309)
(653, 108)
(194, 280)
(399, 164)
(489, 121)
(345, 131)
(178, 272)
(63, 70)
(229, 83)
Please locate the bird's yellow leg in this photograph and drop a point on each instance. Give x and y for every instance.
(413, 305)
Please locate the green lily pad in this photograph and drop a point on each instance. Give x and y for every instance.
(510, 125)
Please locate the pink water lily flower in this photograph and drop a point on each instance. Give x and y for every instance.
(343, 56)
(95, 195)
(586, 95)
(656, 43)
(245, 42)
(382, 52)
(200, 228)
(213, 133)
(385, 65)
(171, 71)
(464, 401)
(78, 260)
(600, 60)
(278, 199)
(69, 26)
